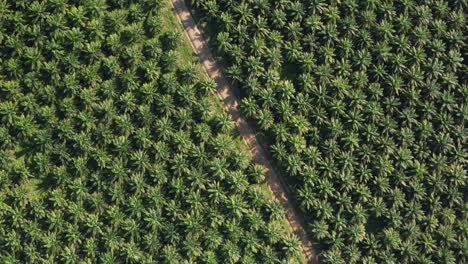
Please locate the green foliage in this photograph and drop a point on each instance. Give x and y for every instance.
(110, 152)
(364, 106)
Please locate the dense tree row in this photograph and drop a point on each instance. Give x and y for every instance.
(365, 105)
(112, 153)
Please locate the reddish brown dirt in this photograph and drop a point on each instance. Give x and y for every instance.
(247, 131)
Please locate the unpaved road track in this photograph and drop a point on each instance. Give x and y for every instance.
(231, 105)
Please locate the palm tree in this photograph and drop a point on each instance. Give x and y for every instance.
(308, 200)
(391, 238)
(153, 219)
(25, 125)
(254, 66)
(132, 253)
(223, 42)
(244, 13)
(132, 228)
(276, 210)
(293, 50)
(79, 189)
(281, 133)
(13, 241)
(155, 197)
(428, 243)
(292, 246)
(170, 254)
(269, 255)
(75, 211)
(33, 58)
(33, 232)
(240, 160)
(179, 165)
(236, 205)
(108, 257)
(184, 118)
(112, 238)
(203, 109)
(216, 192)
(223, 144)
(162, 151)
(57, 197)
(200, 156)
(334, 256)
(209, 257)
(146, 116)
(96, 26)
(294, 164)
(256, 173)
(140, 160)
(127, 102)
(165, 105)
(51, 243)
(72, 234)
(298, 143)
(6, 140)
(238, 181)
(231, 252)
(260, 27)
(235, 74)
(8, 111)
(192, 248)
(357, 232)
(91, 247)
(224, 123)
(227, 21)
(279, 18)
(93, 224)
(196, 203)
(31, 253)
(213, 239)
(152, 244)
(110, 66)
(121, 145)
(17, 217)
(13, 69)
(409, 250)
(178, 188)
(294, 30)
(353, 252)
(320, 229)
(378, 207)
(202, 131)
(124, 124)
(163, 128)
(265, 118)
(249, 107)
(415, 75)
(206, 86)
(69, 255)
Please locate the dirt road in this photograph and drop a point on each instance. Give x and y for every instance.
(231, 105)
